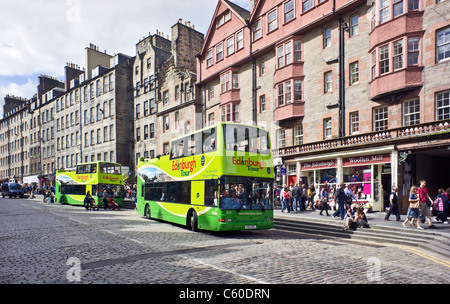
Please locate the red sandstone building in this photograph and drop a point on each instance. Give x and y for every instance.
(351, 91)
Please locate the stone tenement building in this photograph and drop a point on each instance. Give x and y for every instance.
(164, 77)
(70, 122)
(351, 91)
(14, 139)
(88, 114)
(151, 53)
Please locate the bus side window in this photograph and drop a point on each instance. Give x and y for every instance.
(94, 190)
(247, 140)
(211, 192)
(189, 145)
(209, 140)
(198, 148)
(181, 148)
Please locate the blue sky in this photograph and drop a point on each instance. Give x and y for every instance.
(41, 36)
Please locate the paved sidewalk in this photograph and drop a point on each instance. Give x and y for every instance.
(375, 219)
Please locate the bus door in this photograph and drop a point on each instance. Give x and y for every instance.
(198, 193)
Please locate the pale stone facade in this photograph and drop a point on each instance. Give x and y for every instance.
(14, 130)
(93, 117)
(165, 93)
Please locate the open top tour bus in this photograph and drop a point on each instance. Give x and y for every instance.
(72, 186)
(219, 179)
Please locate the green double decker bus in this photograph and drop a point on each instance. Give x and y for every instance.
(72, 185)
(219, 179)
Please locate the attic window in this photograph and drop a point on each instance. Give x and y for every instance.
(224, 18)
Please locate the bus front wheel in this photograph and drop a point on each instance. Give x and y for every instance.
(192, 221)
(148, 211)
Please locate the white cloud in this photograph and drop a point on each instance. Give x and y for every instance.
(41, 36)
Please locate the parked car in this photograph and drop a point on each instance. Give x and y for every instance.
(15, 190)
(5, 189)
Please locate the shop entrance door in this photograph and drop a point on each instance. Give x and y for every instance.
(386, 183)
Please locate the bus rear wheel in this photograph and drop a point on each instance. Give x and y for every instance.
(192, 221)
(148, 211)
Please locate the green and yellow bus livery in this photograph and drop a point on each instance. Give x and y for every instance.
(219, 179)
(72, 186)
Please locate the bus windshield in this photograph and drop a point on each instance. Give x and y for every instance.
(239, 193)
(110, 168)
(246, 139)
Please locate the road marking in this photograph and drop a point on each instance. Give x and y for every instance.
(136, 241)
(110, 232)
(424, 255)
(78, 221)
(407, 248)
(229, 271)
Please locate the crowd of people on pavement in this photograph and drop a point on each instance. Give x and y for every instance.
(130, 190)
(107, 200)
(298, 197)
(421, 206)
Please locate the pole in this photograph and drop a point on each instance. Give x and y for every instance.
(342, 28)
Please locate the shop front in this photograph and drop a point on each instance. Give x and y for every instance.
(424, 160)
(370, 173)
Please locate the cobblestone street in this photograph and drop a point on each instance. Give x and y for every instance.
(39, 240)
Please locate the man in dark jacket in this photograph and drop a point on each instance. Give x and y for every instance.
(297, 194)
(393, 205)
(340, 198)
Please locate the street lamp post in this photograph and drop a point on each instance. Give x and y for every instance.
(342, 28)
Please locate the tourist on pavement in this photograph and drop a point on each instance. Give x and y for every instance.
(341, 199)
(413, 209)
(348, 191)
(393, 205)
(324, 200)
(349, 218)
(304, 196)
(285, 197)
(311, 195)
(441, 205)
(297, 194)
(425, 203)
(360, 218)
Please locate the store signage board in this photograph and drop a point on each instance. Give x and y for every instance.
(321, 164)
(366, 160)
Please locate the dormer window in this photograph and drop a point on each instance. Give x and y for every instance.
(224, 18)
